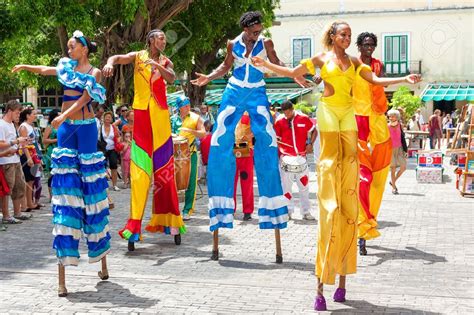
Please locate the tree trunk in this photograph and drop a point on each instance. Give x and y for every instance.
(63, 38)
(116, 40)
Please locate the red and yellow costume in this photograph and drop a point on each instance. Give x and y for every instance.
(152, 156)
(375, 148)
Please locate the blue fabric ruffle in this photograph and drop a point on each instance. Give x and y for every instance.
(73, 79)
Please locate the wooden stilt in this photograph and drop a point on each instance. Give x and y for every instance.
(279, 255)
(62, 291)
(177, 239)
(131, 246)
(215, 245)
(104, 273)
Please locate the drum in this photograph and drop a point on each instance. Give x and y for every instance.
(241, 149)
(293, 164)
(182, 162)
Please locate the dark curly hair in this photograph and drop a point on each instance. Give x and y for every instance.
(363, 36)
(250, 18)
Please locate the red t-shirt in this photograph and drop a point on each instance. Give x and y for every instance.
(205, 147)
(294, 136)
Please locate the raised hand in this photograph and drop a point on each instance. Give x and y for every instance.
(18, 68)
(108, 70)
(201, 79)
(301, 81)
(258, 61)
(413, 78)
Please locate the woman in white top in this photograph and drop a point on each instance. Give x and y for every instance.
(28, 158)
(109, 134)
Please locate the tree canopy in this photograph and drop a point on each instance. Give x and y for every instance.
(36, 32)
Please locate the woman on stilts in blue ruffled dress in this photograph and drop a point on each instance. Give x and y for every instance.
(79, 186)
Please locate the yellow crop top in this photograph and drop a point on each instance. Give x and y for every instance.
(341, 81)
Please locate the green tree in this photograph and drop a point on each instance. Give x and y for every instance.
(38, 31)
(405, 99)
(204, 30)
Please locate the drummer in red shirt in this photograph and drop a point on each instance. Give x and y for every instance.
(292, 130)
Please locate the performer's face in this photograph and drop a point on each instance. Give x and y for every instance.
(75, 49)
(367, 47)
(184, 110)
(254, 31)
(342, 38)
(289, 113)
(158, 41)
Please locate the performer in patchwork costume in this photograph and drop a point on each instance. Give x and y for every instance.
(152, 146)
(375, 148)
(338, 167)
(79, 196)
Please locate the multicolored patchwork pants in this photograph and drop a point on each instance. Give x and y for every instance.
(152, 159)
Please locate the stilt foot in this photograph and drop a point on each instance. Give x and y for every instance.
(215, 255)
(177, 239)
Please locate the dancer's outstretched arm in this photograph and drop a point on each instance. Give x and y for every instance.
(42, 70)
(371, 77)
(108, 69)
(219, 72)
(273, 58)
(298, 71)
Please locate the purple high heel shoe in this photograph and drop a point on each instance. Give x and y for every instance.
(340, 295)
(320, 303)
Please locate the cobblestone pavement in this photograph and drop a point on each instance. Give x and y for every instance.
(421, 264)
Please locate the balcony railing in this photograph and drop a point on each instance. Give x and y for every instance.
(402, 68)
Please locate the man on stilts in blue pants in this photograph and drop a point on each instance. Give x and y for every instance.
(245, 91)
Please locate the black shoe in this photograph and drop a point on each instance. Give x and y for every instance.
(247, 217)
(362, 249)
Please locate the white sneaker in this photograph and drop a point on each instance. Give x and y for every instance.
(116, 188)
(308, 217)
(186, 217)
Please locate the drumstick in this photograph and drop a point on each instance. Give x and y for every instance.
(283, 143)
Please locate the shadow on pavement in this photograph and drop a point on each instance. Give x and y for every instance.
(387, 224)
(270, 266)
(411, 253)
(110, 292)
(364, 307)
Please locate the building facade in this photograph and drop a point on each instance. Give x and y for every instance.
(431, 37)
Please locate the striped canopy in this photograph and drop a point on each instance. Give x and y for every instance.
(448, 92)
(214, 96)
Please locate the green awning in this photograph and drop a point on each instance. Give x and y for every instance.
(214, 97)
(448, 92)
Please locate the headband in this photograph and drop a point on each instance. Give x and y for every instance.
(182, 101)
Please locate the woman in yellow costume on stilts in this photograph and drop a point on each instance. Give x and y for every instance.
(338, 167)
